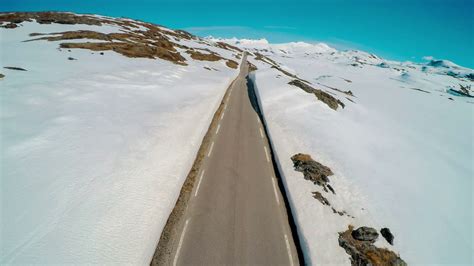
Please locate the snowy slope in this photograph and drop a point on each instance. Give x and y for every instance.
(94, 150)
(401, 150)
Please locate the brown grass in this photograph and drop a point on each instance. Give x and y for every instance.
(252, 67)
(203, 57)
(49, 17)
(153, 42)
(232, 64)
(130, 50)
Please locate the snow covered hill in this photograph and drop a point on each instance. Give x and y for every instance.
(101, 119)
(398, 137)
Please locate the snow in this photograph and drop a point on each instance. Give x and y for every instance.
(94, 151)
(402, 158)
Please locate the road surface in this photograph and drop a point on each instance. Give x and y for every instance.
(236, 213)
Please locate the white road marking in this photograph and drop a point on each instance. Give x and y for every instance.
(222, 116)
(289, 250)
(199, 183)
(261, 133)
(258, 119)
(210, 149)
(266, 154)
(274, 190)
(218, 127)
(180, 243)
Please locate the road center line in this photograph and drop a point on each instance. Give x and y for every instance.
(274, 190)
(261, 132)
(289, 250)
(180, 243)
(218, 127)
(266, 154)
(199, 183)
(210, 149)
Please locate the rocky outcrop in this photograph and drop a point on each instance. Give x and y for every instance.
(318, 174)
(15, 68)
(312, 170)
(366, 253)
(317, 195)
(325, 97)
(365, 233)
(385, 232)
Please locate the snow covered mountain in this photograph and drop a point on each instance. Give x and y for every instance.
(101, 119)
(397, 136)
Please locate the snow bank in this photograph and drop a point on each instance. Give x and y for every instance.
(401, 151)
(94, 151)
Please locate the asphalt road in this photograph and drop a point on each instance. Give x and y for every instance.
(236, 214)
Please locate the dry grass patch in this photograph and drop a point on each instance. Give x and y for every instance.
(232, 64)
(204, 57)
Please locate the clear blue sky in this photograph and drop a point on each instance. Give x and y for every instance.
(394, 29)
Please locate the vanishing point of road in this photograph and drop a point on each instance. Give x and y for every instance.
(236, 214)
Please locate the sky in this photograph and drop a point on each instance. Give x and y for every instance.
(405, 30)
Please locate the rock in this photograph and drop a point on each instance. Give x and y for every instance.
(385, 232)
(323, 96)
(317, 195)
(1, 76)
(331, 189)
(365, 253)
(312, 170)
(365, 234)
(15, 68)
(10, 26)
(71, 58)
(101, 53)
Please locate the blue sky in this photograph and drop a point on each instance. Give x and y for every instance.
(400, 30)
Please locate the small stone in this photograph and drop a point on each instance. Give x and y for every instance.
(365, 233)
(71, 58)
(101, 53)
(385, 232)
